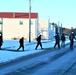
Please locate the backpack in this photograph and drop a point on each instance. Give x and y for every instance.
(36, 39)
(20, 41)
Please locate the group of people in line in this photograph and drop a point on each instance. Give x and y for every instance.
(59, 38)
(21, 41)
(38, 39)
(63, 39)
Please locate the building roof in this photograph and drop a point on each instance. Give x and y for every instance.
(17, 15)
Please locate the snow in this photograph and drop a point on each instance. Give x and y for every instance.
(10, 52)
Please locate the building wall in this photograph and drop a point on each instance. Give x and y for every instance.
(0, 27)
(43, 24)
(0, 24)
(13, 29)
(43, 28)
(48, 30)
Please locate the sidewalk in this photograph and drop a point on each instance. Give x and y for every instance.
(11, 53)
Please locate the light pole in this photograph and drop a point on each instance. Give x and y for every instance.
(61, 29)
(29, 20)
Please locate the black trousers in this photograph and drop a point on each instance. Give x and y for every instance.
(57, 43)
(71, 44)
(20, 47)
(0, 45)
(38, 43)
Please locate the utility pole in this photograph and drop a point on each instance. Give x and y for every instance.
(61, 29)
(58, 28)
(29, 20)
(49, 27)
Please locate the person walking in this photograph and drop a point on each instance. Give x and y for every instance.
(21, 41)
(39, 42)
(63, 39)
(1, 40)
(71, 38)
(57, 40)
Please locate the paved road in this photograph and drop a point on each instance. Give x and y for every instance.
(50, 62)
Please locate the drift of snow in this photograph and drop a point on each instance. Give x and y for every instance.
(10, 52)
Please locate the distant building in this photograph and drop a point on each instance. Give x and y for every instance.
(47, 29)
(14, 25)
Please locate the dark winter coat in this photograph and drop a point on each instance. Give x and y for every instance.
(63, 37)
(39, 38)
(71, 37)
(57, 38)
(21, 41)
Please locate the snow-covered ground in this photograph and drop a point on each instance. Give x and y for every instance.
(10, 52)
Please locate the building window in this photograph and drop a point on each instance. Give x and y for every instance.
(0, 31)
(1, 22)
(31, 22)
(21, 22)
